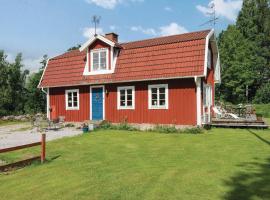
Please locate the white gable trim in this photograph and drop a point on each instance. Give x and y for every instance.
(93, 39)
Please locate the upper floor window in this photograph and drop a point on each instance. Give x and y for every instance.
(158, 96)
(126, 97)
(99, 59)
(72, 99)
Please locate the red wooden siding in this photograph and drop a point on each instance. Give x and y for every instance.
(58, 104)
(182, 104)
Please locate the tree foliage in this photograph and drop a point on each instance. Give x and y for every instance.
(245, 52)
(18, 89)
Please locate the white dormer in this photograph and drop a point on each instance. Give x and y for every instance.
(101, 54)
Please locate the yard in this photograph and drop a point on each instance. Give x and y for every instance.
(231, 164)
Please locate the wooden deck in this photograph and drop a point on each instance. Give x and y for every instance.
(238, 123)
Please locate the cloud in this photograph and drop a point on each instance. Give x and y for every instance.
(32, 64)
(224, 8)
(171, 29)
(147, 31)
(169, 9)
(90, 31)
(110, 4)
(113, 27)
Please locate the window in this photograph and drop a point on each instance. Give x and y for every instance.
(209, 58)
(99, 59)
(207, 95)
(126, 97)
(158, 96)
(72, 99)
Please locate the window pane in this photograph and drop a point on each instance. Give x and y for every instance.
(154, 90)
(162, 90)
(154, 102)
(69, 104)
(129, 103)
(161, 96)
(103, 60)
(122, 98)
(122, 103)
(122, 92)
(154, 96)
(129, 97)
(95, 60)
(75, 94)
(129, 91)
(75, 104)
(162, 102)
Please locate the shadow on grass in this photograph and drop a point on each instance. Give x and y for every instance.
(253, 182)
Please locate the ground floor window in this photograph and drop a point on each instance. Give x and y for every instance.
(126, 97)
(72, 99)
(158, 96)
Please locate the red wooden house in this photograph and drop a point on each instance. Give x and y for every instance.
(165, 80)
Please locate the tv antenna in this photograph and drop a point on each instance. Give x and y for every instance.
(211, 13)
(96, 20)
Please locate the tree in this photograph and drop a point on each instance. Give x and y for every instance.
(74, 47)
(36, 99)
(237, 65)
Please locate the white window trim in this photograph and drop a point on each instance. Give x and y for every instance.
(66, 98)
(107, 60)
(119, 107)
(166, 106)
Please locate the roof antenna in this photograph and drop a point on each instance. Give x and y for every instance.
(211, 13)
(96, 20)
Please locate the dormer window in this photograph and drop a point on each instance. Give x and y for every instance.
(99, 59)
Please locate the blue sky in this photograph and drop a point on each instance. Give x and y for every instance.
(38, 27)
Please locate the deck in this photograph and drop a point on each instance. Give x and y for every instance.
(238, 123)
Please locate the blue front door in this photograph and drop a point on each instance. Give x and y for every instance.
(97, 103)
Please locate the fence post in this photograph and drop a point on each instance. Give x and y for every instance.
(43, 148)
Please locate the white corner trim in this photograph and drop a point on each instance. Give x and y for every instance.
(48, 104)
(119, 107)
(210, 34)
(93, 39)
(66, 99)
(150, 96)
(198, 100)
(103, 96)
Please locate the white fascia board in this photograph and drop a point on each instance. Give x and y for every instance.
(210, 34)
(94, 38)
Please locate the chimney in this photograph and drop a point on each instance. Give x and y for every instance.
(112, 36)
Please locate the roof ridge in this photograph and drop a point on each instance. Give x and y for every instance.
(163, 37)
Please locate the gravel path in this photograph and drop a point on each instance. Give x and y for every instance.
(14, 135)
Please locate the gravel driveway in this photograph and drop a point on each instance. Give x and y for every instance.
(20, 134)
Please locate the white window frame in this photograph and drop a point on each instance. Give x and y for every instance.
(66, 99)
(150, 106)
(119, 107)
(92, 60)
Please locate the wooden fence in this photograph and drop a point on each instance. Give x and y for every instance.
(42, 156)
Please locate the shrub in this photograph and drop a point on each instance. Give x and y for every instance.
(122, 126)
(173, 129)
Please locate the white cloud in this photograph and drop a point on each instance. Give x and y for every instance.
(169, 9)
(147, 31)
(110, 4)
(90, 31)
(171, 29)
(32, 64)
(224, 8)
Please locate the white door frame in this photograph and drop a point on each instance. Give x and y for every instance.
(103, 97)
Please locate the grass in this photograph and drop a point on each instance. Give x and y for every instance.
(7, 122)
(263, 109)
(113, 164)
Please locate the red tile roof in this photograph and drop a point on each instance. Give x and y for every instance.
(159, 58)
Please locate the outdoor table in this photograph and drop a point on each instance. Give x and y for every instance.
(240, 110)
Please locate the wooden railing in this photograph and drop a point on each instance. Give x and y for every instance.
(42, 156)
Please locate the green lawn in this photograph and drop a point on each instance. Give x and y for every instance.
(231, 164)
